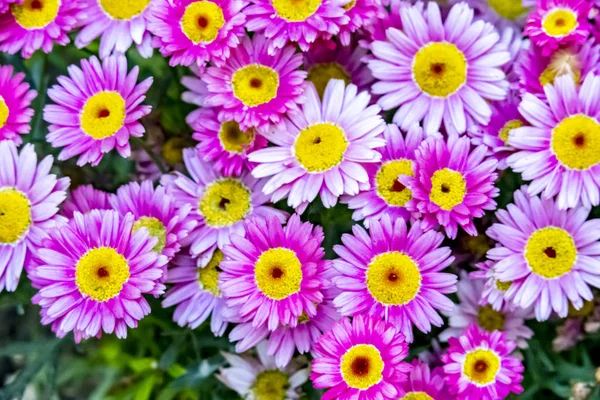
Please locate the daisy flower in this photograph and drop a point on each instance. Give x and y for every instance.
(84, 199)
(360, 13)
(5, 4)
(478, 365)
(493, 290)
(34, 24)
(452, 185)
(551, 256)
(254, 88)
(92, 274)
(197, 90)
(322, 149)
(387, 17)
(29, 200)
(424, 384)
(438, 71)
(560, 152)
(15, 102)
(360, 360)
(197, 31)
(394, 273)
(98, 107)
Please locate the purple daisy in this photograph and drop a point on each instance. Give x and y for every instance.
(322, 149)
(494, 290)
(424, 384)
(394, 273)
(360, 13)
(5, 4)
(387, 17)
(360, 360)
(98, 108)
(92, 274)
(438, 71)
(15, 102)
(84, 199)
(478, 365)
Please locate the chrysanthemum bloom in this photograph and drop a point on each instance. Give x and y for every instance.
(254, 88)
(440, 72)
(394, 273)
(424, 384)
(84, 199)
(478, 365)
(261, 379)
(360, 360)
(551, 256)
(219, 204)
(197, 31)
(5, 4)
(493, 289)
(387, 196)
(360, 13)
(98, 107)
(15, 102)
(387, 17)
(323, 147)
(197, 90)
(196, 293)
(452, 185)
(557, 23)
(560, 152)
(29, 200)
(92, 274)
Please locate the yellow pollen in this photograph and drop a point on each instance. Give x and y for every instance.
(490, 319)
(271, 385)
(225, 202)
(350, 5)
(509, 126)
(15, 215)
(576, 142)
(509, 9)
(393, 278)
(255, 84)
(481, 366)
(586, 310)
(296, 10)
(172, 150)
(278, 273)
(362, 366)
(100, 273)
(320, 147)
(303, 318)
(35, 14)
(439, 69)
(416, 396)
(321, 74)
(155, 229)
(386, 180)
(550, 252)
(4, 112)
(559, 22)
(103, 115)
(562, 62)
(233, 139)
(202, 21)
(123, 9)
(208, 277)
(448, 188)
(503, 286)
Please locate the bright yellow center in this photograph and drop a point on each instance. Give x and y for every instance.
(350, 5)
(225, 202)
(509, 9)
(15, 215)
(255, 84)
(321, 74)
(233, 139)
(155, 229)
(35, 14)
(563, 62)
(320, 147)
(481, 366)
(271, 385)
(278, 273)
(295, 10)
(550, 252)
(439, 69)
(490, 319)
(448, 188)
(559, 22)
(172, 150)
(103, 115)
(509, 126)
(576, 142)
(202, 21)
(123, 9)
(362, 366)
(388, 188)
(503, 286)
(100, 273)
(208, 277)
(4, 112)
(416, 396)
(393, 278)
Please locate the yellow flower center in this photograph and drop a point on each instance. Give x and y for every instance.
(303, 318)
(100, 273)
(439, 69)
(233, 139)
(509, 126)
(503, 286)
(320, 147)
(321, 74)
(296, 10)
(103, 115)
(155, 229)
(576, 142)
(172, 150)
(350, 5)
(416, 396)
(225, 202)
(255, 84)
(481, 366)
(4, 112)
(208, 277)
(35, 14)
(490, 319)
(509, 9)
(393, 278)
(562, 62)
(15, 215)
(550, 252)
(585, 311)
(278, 273)
(388, 188)
(202, 21)
(123, 9)
(559, 22)
(448, 188)
(271, 385)
(362, 366)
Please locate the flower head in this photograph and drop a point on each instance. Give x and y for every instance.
(493, 290)
(424, 384)
(15, 102)
(84, 199)
(360, 14)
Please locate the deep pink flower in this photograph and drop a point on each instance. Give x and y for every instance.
(15, 102)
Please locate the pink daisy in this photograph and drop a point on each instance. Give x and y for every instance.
(387, 17)
(424, 384)
(5, 4)
(197, 90)
(98, 108)
(493, 290)
(84, 199)
(360, 13)
(15, 102)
